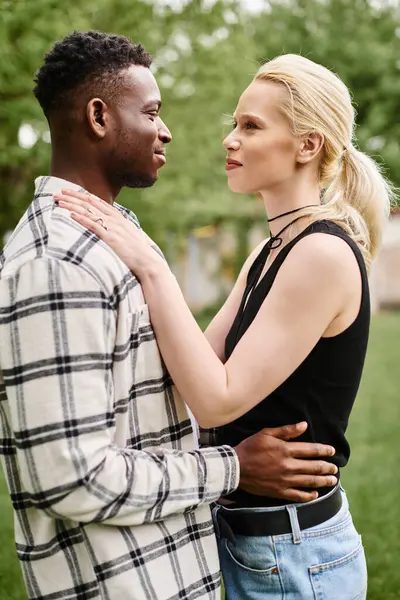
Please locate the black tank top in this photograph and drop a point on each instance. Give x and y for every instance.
(323, 388)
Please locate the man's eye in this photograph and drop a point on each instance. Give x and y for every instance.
(153, 116)
(233, 124)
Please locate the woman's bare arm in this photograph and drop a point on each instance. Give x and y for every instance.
(219, 327)
(309, 292)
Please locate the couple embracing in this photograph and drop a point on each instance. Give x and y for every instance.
(117, 493)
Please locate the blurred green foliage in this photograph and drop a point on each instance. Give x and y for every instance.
(205, 54)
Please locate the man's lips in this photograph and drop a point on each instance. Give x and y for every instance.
(232, 164)
(161, 155)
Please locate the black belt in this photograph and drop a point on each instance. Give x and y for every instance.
(277, 522)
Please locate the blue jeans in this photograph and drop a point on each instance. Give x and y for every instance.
(325, 562)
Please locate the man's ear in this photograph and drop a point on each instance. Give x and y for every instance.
(310, 146)
(98, 117)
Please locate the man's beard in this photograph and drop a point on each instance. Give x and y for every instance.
(137, 180)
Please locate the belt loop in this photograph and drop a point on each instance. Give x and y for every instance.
(294, 522)
(222, 528)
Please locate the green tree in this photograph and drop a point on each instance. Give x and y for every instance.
(205, 55)
(191, 52)
(27, 31)
(359, 40)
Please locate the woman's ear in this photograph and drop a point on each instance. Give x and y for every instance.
(310, 146)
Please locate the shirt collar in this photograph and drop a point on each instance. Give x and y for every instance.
(48, 185)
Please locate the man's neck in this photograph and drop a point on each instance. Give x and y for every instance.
(87, 176)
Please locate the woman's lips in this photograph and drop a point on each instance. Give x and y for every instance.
(232, 164)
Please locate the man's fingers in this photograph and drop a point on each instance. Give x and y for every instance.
(300, 496)
(311, 481)
(286, 432)
(310, 450)
(310, 467)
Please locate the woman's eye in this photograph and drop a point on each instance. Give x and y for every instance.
(246, 125)
(250, 125)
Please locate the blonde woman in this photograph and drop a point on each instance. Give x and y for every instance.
(289, 343)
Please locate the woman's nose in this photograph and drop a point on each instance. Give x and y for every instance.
(230, 143)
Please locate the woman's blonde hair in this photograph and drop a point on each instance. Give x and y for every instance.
(354, 195)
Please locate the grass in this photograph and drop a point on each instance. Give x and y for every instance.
(371, 480)
(11, 587)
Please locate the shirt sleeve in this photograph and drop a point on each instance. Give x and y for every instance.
(207, 437)
(56, 352)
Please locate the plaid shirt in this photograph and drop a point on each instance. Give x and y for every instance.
(111, 496)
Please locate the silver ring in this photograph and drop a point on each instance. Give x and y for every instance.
(100, 220)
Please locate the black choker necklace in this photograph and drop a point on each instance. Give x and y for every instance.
(290, 212)
(275, 240)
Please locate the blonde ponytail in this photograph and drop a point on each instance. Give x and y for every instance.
(354, 193)
(358, 199)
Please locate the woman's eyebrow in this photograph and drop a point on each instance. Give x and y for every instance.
(249, 116)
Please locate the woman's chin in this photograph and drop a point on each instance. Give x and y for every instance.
(235, 187)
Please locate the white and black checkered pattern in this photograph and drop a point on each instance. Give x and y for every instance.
(111, 496)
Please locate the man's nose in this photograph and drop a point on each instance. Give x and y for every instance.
(164, 133)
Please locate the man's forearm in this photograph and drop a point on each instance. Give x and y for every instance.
(132, 487)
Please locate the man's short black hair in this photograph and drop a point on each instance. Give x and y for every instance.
(82, 59)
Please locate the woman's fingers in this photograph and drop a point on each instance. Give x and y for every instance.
(100, 223)
(78, 204)
(94, 211)
(107, 222)
(78, 208)
(86, 200)
(97, 226)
